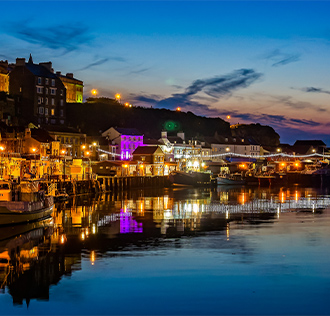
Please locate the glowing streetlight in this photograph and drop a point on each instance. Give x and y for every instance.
(94, 92)
(118, 97)
(178, 109)
(228, 117)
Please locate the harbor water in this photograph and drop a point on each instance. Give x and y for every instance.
(220, 251)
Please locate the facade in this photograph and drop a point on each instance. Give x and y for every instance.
(151, 160)
(4, 76)
(127, 139)
(72, 142)
(74, 88)
(40, 96)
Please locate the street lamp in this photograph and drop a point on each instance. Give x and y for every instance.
(63, 152)
(118, 97)
(94, 92)
(87, 153)
(2, 148)
(34, 150)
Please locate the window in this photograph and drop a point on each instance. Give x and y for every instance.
(46, 111)
(46, 81)
(41, 110)
(53, 82)
(61, 112)
(52, 112)
(39, 100)
(61, 102)
(53, 91)
(46, 90)
(39, 89)
(61, 92)
(39, 80)
(46, 101)
(53, 101)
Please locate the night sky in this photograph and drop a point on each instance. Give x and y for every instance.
(260, 62)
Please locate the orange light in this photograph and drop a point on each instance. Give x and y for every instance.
(297, 164)
(2, 148)
(126, 104)
(283, 164)
(34, 150)
(83, 146)
(228, 117)
(63, 152)
(87, 153)
(118, 96)
(94, 92)
(178, 109)
(125, 166)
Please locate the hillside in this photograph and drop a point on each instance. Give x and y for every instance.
(97, 115)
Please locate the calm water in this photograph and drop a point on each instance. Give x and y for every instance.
(230, 251)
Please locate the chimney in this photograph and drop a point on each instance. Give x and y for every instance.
(164, 134)
(20, 61)
(58, 73)
(48, 65)
(181, 135)
(27, 133)
(70, 75)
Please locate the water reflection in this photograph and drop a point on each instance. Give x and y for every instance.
(35, 256)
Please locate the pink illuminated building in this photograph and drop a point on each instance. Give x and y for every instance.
(127, 140)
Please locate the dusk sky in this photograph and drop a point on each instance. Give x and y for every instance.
(260, 62)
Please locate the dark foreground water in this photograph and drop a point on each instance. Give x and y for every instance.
(230, 251)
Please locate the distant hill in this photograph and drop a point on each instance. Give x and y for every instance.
(264, 135)
(97, 115)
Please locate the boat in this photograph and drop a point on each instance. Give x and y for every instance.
(23, 202)
(192, 178)
(230, 179)
(61, 195)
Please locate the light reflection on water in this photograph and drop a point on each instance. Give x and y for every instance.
(226, 251)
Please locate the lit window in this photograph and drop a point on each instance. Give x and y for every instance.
(52, 111)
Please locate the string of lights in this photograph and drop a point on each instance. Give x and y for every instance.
(284, 155)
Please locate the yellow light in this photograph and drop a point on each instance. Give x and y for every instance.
(178, 109)
(92, 257)
(126, 104)
(94, 92)
(228, 117)
(83, 146)
(130, 105)
(2, 148)
(117, 96)
(94, 144)
(63, 152)
(283, 164)
(125, 166)
(297, 164)
(34, 149)
(227, 149)
(62, 239)
(278, 150)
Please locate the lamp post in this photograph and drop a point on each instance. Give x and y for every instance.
(63, 152)
(89, 164)
(34, 150)
(2, 148)
(118, 97)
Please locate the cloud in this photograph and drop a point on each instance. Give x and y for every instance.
(216, 87)
(315, 90)
(287, 101)
(63, 36)
(279, 58)
(139, 71)
(96, 63)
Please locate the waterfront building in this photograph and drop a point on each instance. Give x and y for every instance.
(74, 87)
(72, 142)
(40, 96)
(307, 147)
(4, 76)
(150, 159)
(126, 139)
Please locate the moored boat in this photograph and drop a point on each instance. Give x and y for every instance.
(230, 179)
(181, 178)
(23, 203)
